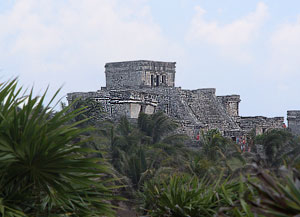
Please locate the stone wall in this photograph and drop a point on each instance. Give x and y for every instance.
(118, 103)
(207, 110)
(231, 104)
(260, 124)
(142, 73)
(293, 118)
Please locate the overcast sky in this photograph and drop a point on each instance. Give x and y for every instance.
(249, 47)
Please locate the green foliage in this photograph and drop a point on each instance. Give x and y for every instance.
(136, 165)
(156, 126)
(203, 167)
(43, 168)
(276, 143)
(47, 166)
(127, 154)
(155, 170)
(91, 111)
(278, 197)
(172, 179)
(212, 143)
(135, 150)
(182, 195)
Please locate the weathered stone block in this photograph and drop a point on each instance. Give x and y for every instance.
(293, 118)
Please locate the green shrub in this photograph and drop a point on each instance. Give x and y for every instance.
(278, 197)
(43, 169)
(188, 196)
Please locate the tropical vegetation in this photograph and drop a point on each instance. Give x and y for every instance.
(44, 167)
(74, 161)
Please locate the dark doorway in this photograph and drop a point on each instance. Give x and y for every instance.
(164, 79)
(152, 80)
(157, 80)
(143, 108)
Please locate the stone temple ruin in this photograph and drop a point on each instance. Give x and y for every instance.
(293, 118)
(149, 86)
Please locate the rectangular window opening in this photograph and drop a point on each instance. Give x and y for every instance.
(164, 79)
(152, 80)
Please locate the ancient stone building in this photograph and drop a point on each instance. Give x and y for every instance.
(293, 118)
(149, 86)
(139, 74)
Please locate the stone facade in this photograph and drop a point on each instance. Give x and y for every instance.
(293, 118)
(149, 86)
(231, 104)
(260, 124)
(139, 74)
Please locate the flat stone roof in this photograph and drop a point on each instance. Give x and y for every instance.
(140, 63)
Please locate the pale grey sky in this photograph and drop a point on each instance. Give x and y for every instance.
(244, 47)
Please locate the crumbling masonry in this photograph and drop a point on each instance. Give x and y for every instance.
(293, 118)
(149, 86)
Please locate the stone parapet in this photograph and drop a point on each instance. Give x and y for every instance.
(293, 114)
(140, 65)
